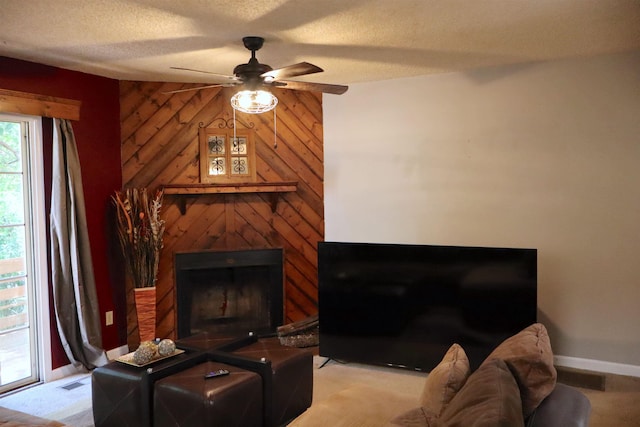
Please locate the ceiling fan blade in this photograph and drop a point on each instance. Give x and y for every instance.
(196, 88)
(318, 87)
(299, 69)
(222, 76)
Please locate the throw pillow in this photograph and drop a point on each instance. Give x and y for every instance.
(529, 357)
(489, 398)
(444, 381)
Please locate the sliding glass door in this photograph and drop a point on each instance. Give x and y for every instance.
(21, 250)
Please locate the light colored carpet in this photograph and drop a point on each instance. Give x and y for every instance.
(334, 384)
(81, 419)
(336, 376)
(614, 408)
(66, 399)
(618, 407)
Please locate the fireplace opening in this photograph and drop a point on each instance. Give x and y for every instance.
(229, 292)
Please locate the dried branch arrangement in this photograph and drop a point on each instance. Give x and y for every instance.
(140, 231)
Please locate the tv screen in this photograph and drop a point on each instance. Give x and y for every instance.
(405, 305)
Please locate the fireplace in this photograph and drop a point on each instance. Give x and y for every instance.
(229, 292)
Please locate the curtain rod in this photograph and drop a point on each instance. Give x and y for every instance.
(12, 101)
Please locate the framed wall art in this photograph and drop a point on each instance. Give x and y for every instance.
(225, 158)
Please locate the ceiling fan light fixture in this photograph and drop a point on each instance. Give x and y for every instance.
(254, 101)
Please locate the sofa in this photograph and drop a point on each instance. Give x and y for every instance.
(11, 418)
(514, 386)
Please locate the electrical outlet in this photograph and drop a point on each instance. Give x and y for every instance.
(108, 318)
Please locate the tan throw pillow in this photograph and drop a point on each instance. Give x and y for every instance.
(489, 398)
(444, 381)
(529, 357)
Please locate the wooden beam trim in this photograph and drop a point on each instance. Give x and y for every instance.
(12, 101)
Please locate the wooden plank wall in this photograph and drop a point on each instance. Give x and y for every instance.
(160, 146)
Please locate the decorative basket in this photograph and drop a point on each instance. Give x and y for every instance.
(304, 333)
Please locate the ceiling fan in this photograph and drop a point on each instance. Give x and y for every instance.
(254, 76)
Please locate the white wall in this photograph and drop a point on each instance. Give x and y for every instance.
(542, 156)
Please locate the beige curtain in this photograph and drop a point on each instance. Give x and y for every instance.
(74, 288)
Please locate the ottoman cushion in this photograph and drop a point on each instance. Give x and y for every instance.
(291, 379)
(188, 399)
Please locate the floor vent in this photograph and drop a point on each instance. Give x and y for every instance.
(72, 385)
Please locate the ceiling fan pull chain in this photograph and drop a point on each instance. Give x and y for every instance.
(275, 125)
(234, 125)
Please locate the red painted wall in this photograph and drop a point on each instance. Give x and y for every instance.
(98, 138)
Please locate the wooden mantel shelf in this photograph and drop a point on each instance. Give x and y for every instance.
(273, 188)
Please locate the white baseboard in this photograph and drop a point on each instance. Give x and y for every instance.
(597, 366)
(67, 370)
(114, 353)
(64, 371)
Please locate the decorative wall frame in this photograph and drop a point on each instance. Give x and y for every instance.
(227, 155)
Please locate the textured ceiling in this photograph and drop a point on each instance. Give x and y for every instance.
(353, 40)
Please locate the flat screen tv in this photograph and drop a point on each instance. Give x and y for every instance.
(405, 305)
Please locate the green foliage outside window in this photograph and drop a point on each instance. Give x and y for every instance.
(12, 229)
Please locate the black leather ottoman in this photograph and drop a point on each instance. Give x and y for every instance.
(291, 377)
(122, 395)
(206, 341)
(187, 399)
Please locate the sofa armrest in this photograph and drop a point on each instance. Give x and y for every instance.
(564, 407)
(13, 418)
